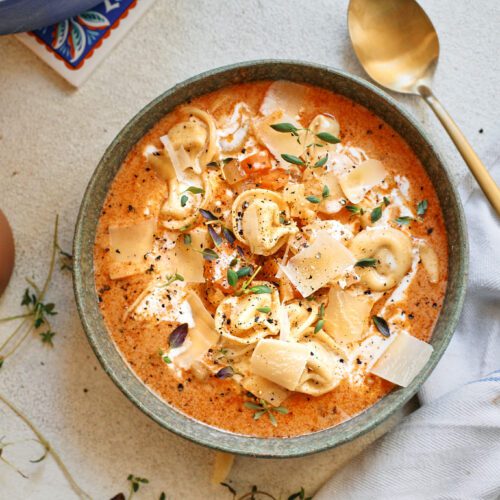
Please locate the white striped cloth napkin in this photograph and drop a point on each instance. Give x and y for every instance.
(450, 447)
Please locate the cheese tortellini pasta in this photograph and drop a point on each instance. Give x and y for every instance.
(239, 319)
(261, 221)
(392, 250)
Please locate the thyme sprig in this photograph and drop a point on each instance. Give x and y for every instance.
(254, 493)
(257, 289)
(263, 408)
(37, 310)
(289, 128)
(212, 220)
(135, 483)
(47, 446)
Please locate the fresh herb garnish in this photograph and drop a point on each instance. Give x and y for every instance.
(313, 199)
(260, 289)
(187, 239)
(215, 236)
(382, 325)
(229, 235)
(404, 220)
(171, 279)
(194, 190)
(244, 271)
(387, 201)
(422, 207)
(209, 254)
(263, 408)
(354, 209)
(226, 372)
(244, 289)
(165, 358)
(327, 137)
(184, 200)
(321, 162)
(295, 160)
(321, 322)
(284, 127)
(206, 214)
(366, 263)
(178, 336)
(265, 310)
(326, 192)
(376, 214)
(232, 277)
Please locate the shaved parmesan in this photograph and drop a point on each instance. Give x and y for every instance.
(265, 389)
(278, 142)
(128, 246)
(280, 362)
(187, 259)
(358, 180)
(319, 264)
(346, 316)
(285, 96)
(179, 166)
(371, 349)
(201, 337)
(403, 360)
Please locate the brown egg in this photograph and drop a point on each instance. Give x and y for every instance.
(7, 252)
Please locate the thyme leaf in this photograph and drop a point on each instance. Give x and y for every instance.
(284, 127)
(422, 207)
(403, 221)
(178, 336)
(313, 199)
(366, 263)
(376, 214)
(295, 160)
(327, 137)
(381, 325)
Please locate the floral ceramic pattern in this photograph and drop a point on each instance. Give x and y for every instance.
(74, 39)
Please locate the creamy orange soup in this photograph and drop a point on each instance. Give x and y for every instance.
(271, 259)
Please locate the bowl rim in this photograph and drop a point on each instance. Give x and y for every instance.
(183, 425)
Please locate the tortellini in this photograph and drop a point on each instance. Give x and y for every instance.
(238, 318)
(392, 250)
(177, 211)
(301, 315)
(325, 368)
(261, 221)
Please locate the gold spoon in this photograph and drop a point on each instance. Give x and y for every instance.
(398, 47)
(6, 252)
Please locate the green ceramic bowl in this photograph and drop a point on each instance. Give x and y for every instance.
(86, 296)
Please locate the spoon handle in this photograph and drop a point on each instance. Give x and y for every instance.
(476, 166)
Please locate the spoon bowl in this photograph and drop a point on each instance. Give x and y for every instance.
(7, 252)
(399, 59)
(398, 46)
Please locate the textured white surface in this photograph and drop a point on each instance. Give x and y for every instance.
(51, 138)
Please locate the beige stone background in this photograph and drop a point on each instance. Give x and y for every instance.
(51, 138)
